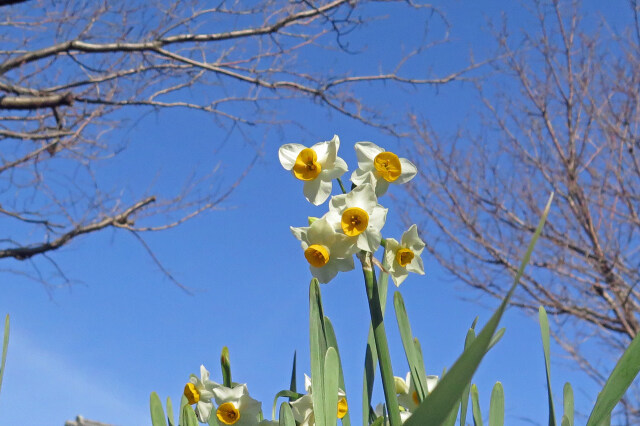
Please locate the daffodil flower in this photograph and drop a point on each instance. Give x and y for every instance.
(302, 407)
(382, 167)
(316, 166)
(199, 391)
(327, 251)
(404, 257)
(236, 407)
(379, 411)
(359, 216)
(407, 394)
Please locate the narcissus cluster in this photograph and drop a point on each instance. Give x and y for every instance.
(355, 219)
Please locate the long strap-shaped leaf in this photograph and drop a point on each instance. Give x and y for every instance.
(544, 331)
(475, 406)
(496, 410)
(331, 375)
(286, 415)
(621, 377)
(464, 402)
(5, 345)
(333, 342)
(567, 404)
(157, 412)
(318, 346)
(382, 347)
(371, 354)
(170, 417)
(438, 405)
(409, 347)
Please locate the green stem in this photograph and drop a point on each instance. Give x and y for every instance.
(341, 185)
(382, 347)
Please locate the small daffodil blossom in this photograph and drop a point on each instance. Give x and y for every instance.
(199, 391)
(383, 167)
(379, 411)
(317, 166)
(404, 256)
(327, 251)
(236, 407)
(407, 394)
(359, 216)
(302, 407)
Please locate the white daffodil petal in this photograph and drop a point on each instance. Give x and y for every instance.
(366, 152)
(338, 169)
(324, 274)
(369, 240)
(399, 276)
(411, 239)
(343, 246)
(378, 217)
(203, 411)
(307, 383)
(400, 385)
(299, 233)
(432, 381)
(416, 266)
(223, 393)
(327, 152)
(362, 196)
(302, 408)
(360, 176)
(344, 265)
(317, 191)
(408, 171)
(288, 154)
(320, 232)
(381, 187)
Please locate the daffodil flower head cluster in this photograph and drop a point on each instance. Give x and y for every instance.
(354, 220)
(234, 405)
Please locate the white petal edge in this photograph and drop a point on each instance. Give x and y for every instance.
(288, 154)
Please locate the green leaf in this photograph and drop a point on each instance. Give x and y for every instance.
(544, 331)
(474, 323)
(157, 412)
(437, 406)
(225, 365)
(475, 406)
(464, 402)
(183, 403)
(371, 354)
(292, 386)
(565, 421)
(189, 416)
(382, 346)
(453, 415)
(290, 394)
(496, 410)
(420, 363)
(5, 346)
(332, 342)
(621, 377)
(496, 338)
(568, 403)
(331, 374)
(318, 348)
(170, 417)
(286, 415)
(378, 421)
(409, 347)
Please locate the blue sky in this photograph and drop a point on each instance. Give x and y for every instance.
(122, 330)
